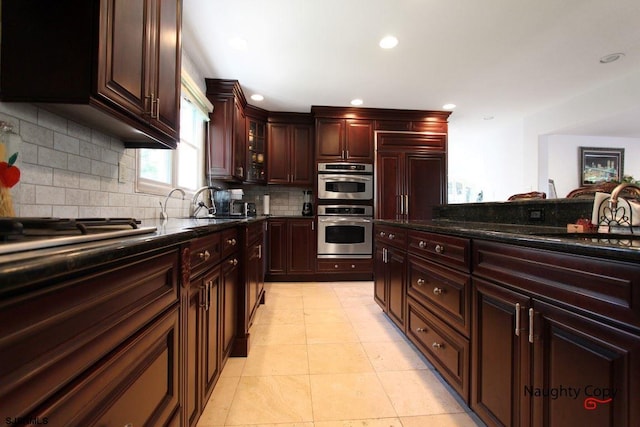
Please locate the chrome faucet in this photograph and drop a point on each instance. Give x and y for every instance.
(197, 205)
(163, 208)
(626, 186)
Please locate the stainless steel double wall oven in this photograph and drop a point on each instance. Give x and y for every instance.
(345, 210)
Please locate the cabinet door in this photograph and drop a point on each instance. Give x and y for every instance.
(425, 184)
(254, 267)
(500, 358)
(219, 135)
(210, 342)
(330, 139)
(580, 359)
(302, 250)
(124, 52)
(397, 276)
(239, 141)
(277, 237)
(301, 157)
(389, 185)
(278, 156)
(166, 65)
(229, 304)
(379, 277)
(359, 141)
(193, 331)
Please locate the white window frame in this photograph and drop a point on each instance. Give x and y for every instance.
(192, 94)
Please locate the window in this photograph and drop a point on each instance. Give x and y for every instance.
(161, 170)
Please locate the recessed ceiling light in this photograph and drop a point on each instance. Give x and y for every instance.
(449, 106)
(257, 97)
(238, 43)
(356, 102)
(612, 57)
(388, 42)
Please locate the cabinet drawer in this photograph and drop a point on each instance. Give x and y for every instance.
(205, 252)
(443, 346)
(393, 236)
(255, 232)
(70, 325)
(345, 266)
(606, 289)
(136, 385)
(443, 290)
(448, 250)
(230, 242)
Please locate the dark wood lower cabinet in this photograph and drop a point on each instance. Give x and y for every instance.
(292, 248)
(536, 364)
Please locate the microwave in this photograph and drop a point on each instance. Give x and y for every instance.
(345, 181)
(240, 208)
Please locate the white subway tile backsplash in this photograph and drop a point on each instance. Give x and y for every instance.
(71, 170)
(66, 179)
(31, 132)
(49, 195)
(53, 158)
(79, 131)
(66, 143)
(52, 121)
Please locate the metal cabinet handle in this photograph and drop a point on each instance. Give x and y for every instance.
(531, 325)
(204, 255)
(260, 251)
(421, 330)
(437, 291)
(440, 249)
(383, 234)
(353, 266)
(392, 236)
(157, 108)
(437, 346)
(233, 261)
(406, 204)
(422, 244)
(347, 154)
(231, 242)
(335, 266)
(517, 319)
(420, 282)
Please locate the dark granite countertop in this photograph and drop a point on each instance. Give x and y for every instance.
(27, 267)
(543, 237)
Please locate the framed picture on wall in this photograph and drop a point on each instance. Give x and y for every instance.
(601, 165)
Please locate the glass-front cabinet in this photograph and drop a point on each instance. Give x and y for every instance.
(256, 148)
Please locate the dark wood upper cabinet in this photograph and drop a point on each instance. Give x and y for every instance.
(227, 133)
(344, 140)
(256, 147)
(290, 149)
(111, 64)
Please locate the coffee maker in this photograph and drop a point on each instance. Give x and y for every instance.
(307, 206)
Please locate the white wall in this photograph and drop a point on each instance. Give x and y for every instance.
(520, 157)
(563, 162)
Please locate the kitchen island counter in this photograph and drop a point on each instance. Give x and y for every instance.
(535, 236)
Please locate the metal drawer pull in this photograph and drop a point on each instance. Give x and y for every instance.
(422, 244)
(336, 266)
(204, 255)
(353, 266)
(421, 330)
(382, 234)
(233, 261)
(231, 242)
(531, 325)
(420, 282)
(437, 291)
(437, 346)
(518, 319)
(392, 236)
(440, 249)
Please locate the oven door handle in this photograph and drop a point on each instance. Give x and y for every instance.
(344, 178)
(345, 220)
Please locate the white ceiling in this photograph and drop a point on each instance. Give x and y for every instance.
(502, 58)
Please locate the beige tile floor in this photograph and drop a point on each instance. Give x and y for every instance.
(324, 355)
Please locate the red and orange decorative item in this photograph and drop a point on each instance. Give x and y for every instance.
(9, 172)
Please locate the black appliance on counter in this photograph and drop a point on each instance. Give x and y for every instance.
(307, 205)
